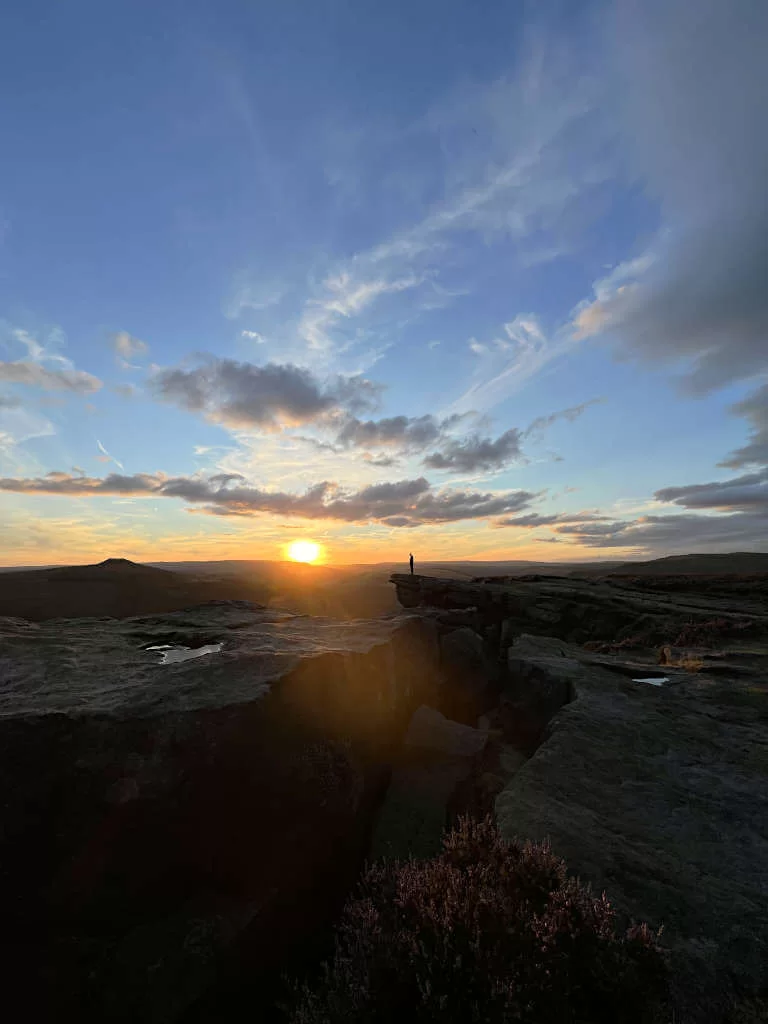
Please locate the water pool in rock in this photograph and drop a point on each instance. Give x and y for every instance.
(170, 655)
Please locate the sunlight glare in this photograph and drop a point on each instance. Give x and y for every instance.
(304, 551)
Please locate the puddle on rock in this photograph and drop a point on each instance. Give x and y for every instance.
(170, 655)
(652, 680)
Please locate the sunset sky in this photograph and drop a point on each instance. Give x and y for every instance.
(474, 280)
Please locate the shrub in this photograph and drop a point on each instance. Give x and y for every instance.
(712, 632)
(485, 932)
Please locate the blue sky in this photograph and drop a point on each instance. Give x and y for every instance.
(474, 281)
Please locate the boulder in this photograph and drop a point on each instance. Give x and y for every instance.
(469, 675)
(540, 680)
(431, 731)
(438, 756)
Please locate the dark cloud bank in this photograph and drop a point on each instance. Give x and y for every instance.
(403, 503)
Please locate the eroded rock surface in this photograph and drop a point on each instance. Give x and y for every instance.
(659, 796)
(167, 827)
(581, 610)
(437, 756)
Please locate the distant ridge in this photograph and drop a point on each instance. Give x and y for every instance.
(116, 588)
(742, 563)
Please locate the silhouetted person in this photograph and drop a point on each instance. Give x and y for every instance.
(410, 559)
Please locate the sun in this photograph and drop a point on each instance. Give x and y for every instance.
(304, 551)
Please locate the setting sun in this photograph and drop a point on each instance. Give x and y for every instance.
(304, 551)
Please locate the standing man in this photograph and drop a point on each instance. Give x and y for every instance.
(410, 559)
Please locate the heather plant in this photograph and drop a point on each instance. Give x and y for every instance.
(712, 632)
(487, 932)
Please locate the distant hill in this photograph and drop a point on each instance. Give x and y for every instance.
(116, 588)
(742, 563)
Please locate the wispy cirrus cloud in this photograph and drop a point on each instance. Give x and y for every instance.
(344, 296)
(107, 457)
(504, 160)
(507, 362)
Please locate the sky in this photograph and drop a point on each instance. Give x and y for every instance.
(470, 280)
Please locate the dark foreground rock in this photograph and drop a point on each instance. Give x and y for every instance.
(659, 796)
(169, 830)
(438, 755)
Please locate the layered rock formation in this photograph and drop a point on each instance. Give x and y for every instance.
(655, 793)
(580, 610)
(167, 829)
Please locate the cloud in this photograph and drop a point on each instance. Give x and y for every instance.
(248, 293)
(126, 348)
(745, 493)
(720, 514)
(397, 431)
(347, 295)
(57, 483)
(570, 414)
(534, 520)
(379, 460)
(405, 503)
(105, 456)
(9, 402)
(254, 336)
(59, 375)
(517, 354)
(695, 78)
(474, 452)
(674, 533)
(501, 160)
(32, 374)
(755, 409)
(514, 154)
(243, 395)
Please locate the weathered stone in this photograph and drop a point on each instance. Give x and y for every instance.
(164, 824)
(469, 677)
(437, 757)
(430, 730)
(539, 682)
(584, 609)
(658, 795)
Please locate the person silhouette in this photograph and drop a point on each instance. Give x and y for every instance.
(410, 559)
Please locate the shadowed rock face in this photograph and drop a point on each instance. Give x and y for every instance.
(168, 828)
(656, 794)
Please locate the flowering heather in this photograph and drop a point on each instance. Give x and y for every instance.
(486, 932)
